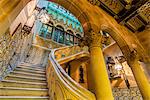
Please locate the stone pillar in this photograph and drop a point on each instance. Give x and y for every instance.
(140, 77)
(98, 72)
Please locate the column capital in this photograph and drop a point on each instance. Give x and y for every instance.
(133, 57)
(92, 39)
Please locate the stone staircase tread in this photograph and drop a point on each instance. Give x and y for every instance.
(16, 88)
(34, 83)
(29, 68)
(37, 69)
(34, 73)
(25, 73)
(18, 69)
(32, 66)
(42, 97)
(25, 77)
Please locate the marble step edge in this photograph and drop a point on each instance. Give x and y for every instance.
(24, 97)
(23, 82)
(25, 77)
(26, 73)
(29, 89)
(27, 70)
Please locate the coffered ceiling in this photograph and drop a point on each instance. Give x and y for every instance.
(134, 14)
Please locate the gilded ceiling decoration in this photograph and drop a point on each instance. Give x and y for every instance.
(134, 14)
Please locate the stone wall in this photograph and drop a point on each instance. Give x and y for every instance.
(37, 55)
(13, 50)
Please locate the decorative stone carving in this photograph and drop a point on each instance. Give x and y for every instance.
(133, 57)
(94, 2)
(144, 11)
(93, 39)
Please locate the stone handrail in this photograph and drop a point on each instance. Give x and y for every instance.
(61, 86)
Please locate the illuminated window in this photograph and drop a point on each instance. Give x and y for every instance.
(46, 31)
(69, 38)
(49, 32)
(43, 30)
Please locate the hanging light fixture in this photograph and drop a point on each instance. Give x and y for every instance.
(43, 16)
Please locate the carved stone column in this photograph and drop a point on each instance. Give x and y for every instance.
(140, 77)
(98, 73)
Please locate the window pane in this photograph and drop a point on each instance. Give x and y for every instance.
(71, 39)
(43, 30)
(75, 40)
(56, 34)
(50, 29)
(67, 39)
(49, 32)
(61, 37)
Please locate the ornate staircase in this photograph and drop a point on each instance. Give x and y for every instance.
(35, 82)
(27, 82)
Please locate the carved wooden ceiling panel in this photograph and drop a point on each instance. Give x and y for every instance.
(144, 12)
(134, 14)
(115, 5)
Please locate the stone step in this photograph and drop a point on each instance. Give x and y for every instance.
(37, 83)
(25, 78)
(27, 72)
(31, 71)
(21, 84)
(18, 73)
(32, 68)
(24, 98)
(13, 91)
(30, 65)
